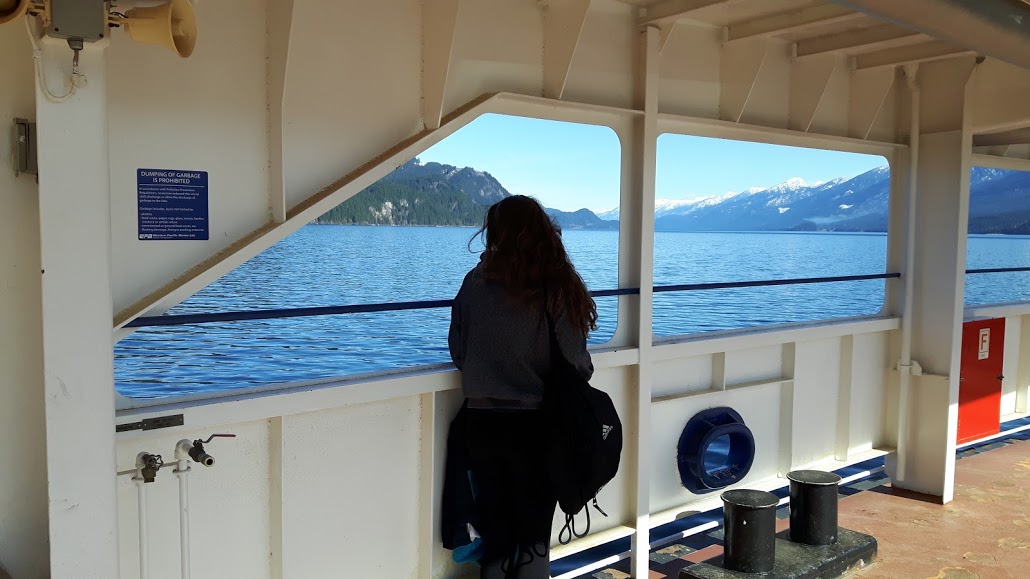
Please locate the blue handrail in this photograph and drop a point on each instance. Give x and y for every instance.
(997, 270)
(185, 319)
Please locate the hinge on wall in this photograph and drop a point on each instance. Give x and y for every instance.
(151, 423)
(25, 147)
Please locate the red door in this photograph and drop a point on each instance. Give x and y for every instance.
(979, 393)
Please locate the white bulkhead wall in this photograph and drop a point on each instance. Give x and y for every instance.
(24, 550)
(354, 88)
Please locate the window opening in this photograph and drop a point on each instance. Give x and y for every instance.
(735, 211)
(999, 236)
(403, 239)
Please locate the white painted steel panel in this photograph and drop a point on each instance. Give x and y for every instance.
(689, 83)
(869, 375)
(207, 113)
(498, 47)
(758, 406)
(23, 498)
(683, 375)
(816, 386)
(602, 70)
(751, 365)
(831, 116)
(351, 480)
(352, 89)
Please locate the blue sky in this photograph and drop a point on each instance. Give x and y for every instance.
(569, 166)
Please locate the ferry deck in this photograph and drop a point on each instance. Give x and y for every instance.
(293, 106)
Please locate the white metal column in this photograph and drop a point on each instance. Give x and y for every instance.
(75, 218)
(941, 221)
(645, 150)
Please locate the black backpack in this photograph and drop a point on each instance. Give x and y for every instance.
(585, 439)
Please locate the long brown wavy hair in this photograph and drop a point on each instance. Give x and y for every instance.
(525, 254)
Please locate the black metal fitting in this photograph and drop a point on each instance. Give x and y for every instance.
(749, 523)
(813, 507)
(198, 454)
(151, 464)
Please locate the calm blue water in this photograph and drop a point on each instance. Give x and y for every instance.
(334, 265)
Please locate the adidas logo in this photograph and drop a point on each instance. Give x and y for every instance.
(605, 429)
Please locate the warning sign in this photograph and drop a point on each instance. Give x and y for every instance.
(172, 204)
(985, 344)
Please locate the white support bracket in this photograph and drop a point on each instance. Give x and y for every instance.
(869, 91)
(280, 27)
(809, 81)
(439, 27)
(665, 30)
(563, 26)
(740, 67)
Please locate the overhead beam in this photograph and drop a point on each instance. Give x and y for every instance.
(790, 21)
(927, 51)
(981, 26)
(673, 9)
(875, 37)
(439, 24)
(1006, 138)
(563, 26)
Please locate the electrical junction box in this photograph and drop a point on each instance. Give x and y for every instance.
(980, 376)
(82, 19)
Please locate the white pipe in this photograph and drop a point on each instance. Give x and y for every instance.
(182, 470)
(905, 364)
(144, 549)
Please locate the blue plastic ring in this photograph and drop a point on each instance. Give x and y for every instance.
(700, 432)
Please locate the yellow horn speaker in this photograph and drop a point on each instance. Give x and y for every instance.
(12, 9)
(172, 25)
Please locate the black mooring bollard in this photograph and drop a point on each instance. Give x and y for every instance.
(813, 507)
(749, 519)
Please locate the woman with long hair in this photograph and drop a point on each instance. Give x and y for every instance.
(500, 340)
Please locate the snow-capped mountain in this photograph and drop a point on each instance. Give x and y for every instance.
(661, 207)
(999, 203)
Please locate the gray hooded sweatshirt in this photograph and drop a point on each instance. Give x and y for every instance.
(502, 347)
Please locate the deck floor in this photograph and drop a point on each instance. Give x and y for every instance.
(984, 533)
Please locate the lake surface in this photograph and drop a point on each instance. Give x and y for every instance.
(323, 265)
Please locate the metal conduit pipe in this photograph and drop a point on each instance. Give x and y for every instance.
(905, 363)
(144, 549)
(182, 470)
